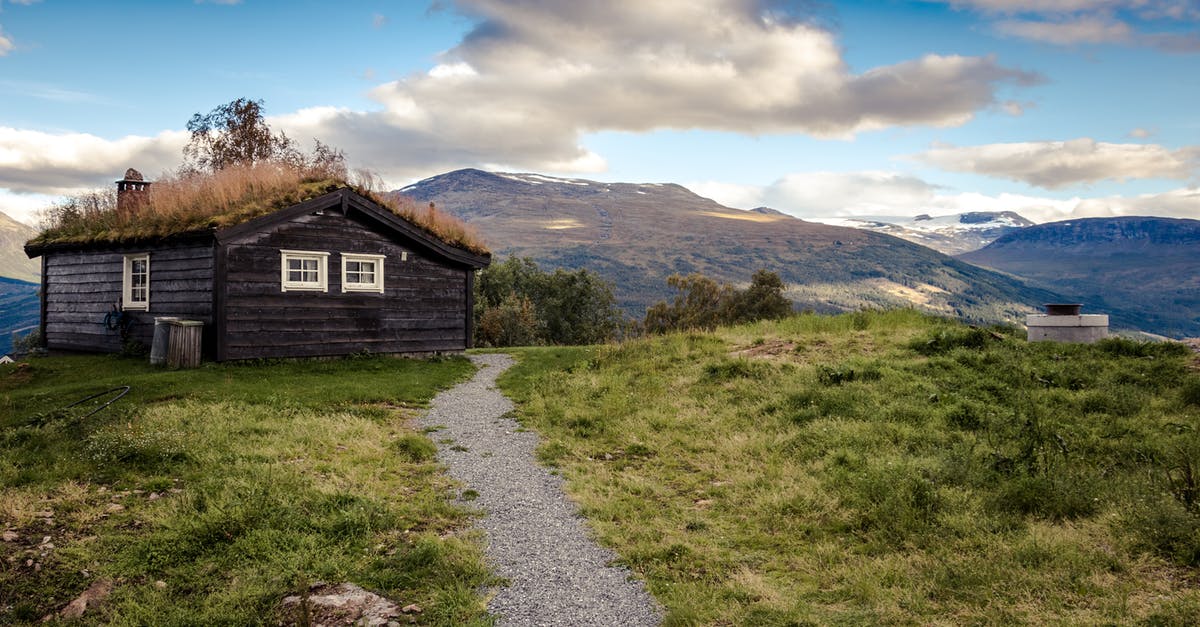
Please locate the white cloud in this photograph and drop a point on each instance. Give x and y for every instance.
(729, 194)
(532, 77)
(1073, 22)
(46, 163)
(813, 195)
(1086, 30)
(847, 193)
(25, 208)
(1057, 164)
(6, 44)
(1142, 133)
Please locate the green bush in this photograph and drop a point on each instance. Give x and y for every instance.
(519, 304)
(740, 368)
(837, 375)
(947, 339)
(1189, 392)
(1056, 496)
(1166, 527)
(414, 448)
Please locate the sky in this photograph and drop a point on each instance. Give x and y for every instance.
(1055, 109)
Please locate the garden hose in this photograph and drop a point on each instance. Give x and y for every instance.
(124, 389)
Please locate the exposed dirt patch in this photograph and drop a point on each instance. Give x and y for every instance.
(774, 349)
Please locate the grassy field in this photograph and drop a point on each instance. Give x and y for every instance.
(883, 468)
(208, 495)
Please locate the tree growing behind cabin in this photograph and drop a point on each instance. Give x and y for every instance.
(517, 303)
(236, 134)
(702, 303)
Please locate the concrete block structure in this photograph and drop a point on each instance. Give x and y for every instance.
(1064, 323)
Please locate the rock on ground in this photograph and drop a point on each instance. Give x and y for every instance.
(340, 604)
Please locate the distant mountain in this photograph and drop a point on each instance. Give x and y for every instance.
(953, 234)
(1145, 272)
(13, 262)
(635, 235)
(19, 308)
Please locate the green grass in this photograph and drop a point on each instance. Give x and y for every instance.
(883, 468)
(208, 495)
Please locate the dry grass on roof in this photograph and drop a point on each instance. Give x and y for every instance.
(190, 203)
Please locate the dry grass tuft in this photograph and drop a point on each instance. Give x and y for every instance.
(183, 203)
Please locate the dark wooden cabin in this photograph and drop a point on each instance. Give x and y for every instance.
(335, 275)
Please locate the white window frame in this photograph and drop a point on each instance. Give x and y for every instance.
(376, 286)
(127, 301)
(322, 282)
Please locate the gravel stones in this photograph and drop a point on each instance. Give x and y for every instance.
(535, 537)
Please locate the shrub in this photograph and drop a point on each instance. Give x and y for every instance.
(511, 323)
(702, 303)
(946, 340)
(837, 375)
(560, 307)
(728, 369)
(414, 448)
(1124, 347)
(1166, 527)
(1189, 392)
(1057, 495)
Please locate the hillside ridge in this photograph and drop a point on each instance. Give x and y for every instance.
(1146, 268)
(637, 234)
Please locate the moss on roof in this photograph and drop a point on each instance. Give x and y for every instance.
(177, 206)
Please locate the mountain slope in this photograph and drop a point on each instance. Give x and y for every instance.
(19, 308)
(13, 262)
(1144, 271)
(636, 235)
(953, 234)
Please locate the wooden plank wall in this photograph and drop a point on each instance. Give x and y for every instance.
(81, 287)
(422, 309)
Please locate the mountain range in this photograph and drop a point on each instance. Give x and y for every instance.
(1144, 272)
(13, 262)
(19, 277)
(953, 234)
(636, 235)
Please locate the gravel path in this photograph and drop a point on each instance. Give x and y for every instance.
(535, 537)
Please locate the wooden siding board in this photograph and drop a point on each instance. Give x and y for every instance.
(42, 305)
(82, 288)
(422, 308)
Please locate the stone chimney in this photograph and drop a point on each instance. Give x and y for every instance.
(131, 190)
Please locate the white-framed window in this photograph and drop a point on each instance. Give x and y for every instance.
(135, 283)
(304, 271)
(362, 273)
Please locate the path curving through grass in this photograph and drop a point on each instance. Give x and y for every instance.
(535, 537)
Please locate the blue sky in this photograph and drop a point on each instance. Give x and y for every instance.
(1053, 108)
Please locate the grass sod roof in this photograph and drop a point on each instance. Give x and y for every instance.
(181, 206)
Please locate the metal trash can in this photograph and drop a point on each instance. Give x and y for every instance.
(183, 347)
(158, 346)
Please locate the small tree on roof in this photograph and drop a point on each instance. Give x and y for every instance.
(236, 134)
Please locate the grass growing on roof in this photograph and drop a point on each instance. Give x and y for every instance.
(883, 468)
(208, 495)
(201, 201)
